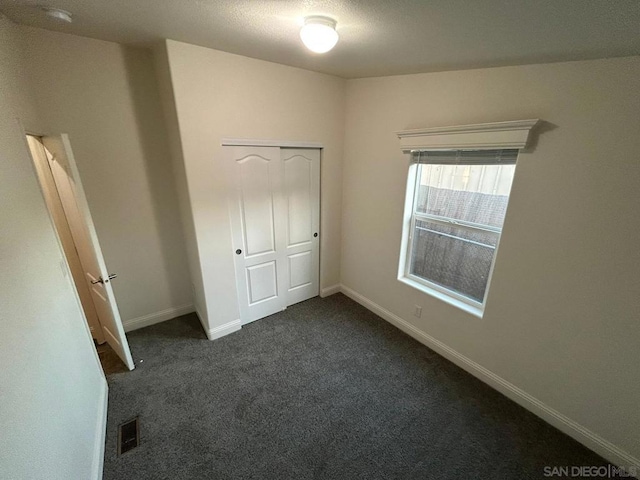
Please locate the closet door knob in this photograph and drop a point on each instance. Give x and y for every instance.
(238, 252)
(315, 234)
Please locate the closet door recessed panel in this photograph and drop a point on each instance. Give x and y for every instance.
(298, 173)
(301, 270)
(262, 282)
(257, 204)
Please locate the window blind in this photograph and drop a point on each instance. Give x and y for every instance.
(466, 157)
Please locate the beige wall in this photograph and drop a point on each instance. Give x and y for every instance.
(16, 89)
(561, 321)
(220, 95)
(165, 87)
(104, 96)
(52, 387)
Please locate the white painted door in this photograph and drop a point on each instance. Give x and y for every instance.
(54, 204)
(274, 218)
(258, 230)
(74, 202)
(301, 170)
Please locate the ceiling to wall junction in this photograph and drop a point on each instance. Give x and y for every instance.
(377, 37)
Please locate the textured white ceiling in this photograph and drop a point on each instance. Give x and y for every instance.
(377, 37)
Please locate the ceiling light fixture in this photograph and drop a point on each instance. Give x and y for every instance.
(58, 14)
(319, 34)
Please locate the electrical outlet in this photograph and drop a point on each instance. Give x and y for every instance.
(417, 312)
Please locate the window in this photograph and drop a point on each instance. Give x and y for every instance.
(456, 204)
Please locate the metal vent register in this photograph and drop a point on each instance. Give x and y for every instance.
(128, 435)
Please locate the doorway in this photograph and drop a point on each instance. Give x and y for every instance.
(65, 199)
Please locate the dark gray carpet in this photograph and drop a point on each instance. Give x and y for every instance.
(324, 390)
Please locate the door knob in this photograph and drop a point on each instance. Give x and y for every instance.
(238, 252)
(315, 234)
(103, 280)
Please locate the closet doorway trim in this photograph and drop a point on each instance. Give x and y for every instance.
(252, 142)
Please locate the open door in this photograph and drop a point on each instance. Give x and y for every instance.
(54, 204)
(74, 203)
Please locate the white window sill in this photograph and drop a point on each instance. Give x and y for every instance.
(475, 311)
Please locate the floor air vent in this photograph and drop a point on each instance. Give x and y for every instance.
(128, 436)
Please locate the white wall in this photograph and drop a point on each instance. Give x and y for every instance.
(52, 390)
(562, 317)
(104, 96)
(220, 95)
(165, 88)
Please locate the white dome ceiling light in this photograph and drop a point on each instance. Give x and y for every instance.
(319, 34)
(58, 14)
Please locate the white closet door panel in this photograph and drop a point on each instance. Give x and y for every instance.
(302, 193)
(257, 220)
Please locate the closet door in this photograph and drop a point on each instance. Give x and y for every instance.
(301, 188)
(258, 226)
(275, 220)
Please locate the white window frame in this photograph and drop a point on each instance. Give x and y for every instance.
(500, 135)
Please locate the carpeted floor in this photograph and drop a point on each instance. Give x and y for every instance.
(323, 390)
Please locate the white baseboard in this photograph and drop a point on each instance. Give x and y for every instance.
(563, 423)
(157, 317)
(325, 292)
(101, 433)
(222, 330)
